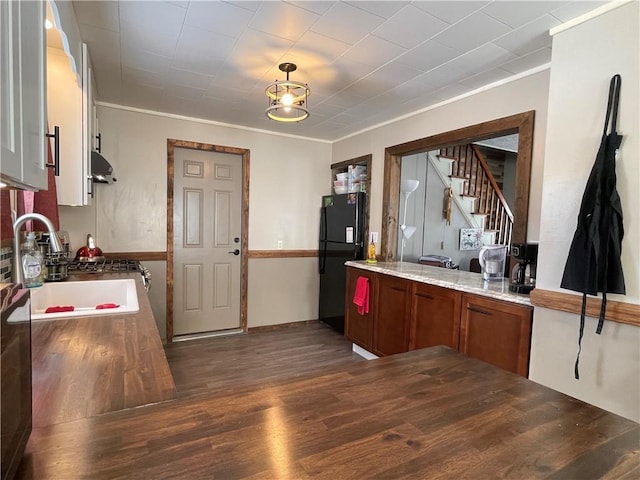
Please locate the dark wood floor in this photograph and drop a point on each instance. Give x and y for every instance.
(425, 414)
(223, 365)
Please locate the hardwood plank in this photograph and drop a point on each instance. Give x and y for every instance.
(264, 357)
(430, 413)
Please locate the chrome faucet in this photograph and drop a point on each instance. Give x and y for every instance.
(54, 241)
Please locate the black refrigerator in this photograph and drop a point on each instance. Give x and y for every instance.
(341, 239)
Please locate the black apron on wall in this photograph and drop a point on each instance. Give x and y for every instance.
(594, 264)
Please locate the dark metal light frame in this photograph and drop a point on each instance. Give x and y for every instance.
(288, 99)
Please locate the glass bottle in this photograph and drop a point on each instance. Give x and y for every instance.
(32, 263)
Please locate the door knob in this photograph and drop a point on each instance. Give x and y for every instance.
(235, 252)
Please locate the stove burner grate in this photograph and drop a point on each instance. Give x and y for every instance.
(110, 265)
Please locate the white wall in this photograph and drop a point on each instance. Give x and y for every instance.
(288, 176)
(584, 59)
(524, 94)
(282, 290)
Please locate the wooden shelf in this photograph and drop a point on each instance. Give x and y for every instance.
(620, 312)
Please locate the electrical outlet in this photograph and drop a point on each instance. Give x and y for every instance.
(374, 237)
(280, 244)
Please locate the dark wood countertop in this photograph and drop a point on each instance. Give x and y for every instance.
(431, 413)
(86, 366)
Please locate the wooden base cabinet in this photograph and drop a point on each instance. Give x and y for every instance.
(407, 315)
(359, 328)
(496, 332)
(435, 316)
(391, 315)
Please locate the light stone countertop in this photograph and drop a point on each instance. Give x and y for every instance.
(443, 277)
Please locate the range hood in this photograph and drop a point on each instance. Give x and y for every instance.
(101, 169)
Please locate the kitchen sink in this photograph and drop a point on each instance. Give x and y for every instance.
(84, 297)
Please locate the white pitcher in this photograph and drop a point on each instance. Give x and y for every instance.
(492, 258)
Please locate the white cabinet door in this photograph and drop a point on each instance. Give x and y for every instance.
(23, 98)
(70, 107)
(10, 124)
(87, 125)
(34, 94)
(65, 110)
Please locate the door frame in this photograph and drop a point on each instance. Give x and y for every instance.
(172, 144)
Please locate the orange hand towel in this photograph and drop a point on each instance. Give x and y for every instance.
(361, 295)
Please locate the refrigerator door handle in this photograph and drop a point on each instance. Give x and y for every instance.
(322, 257)
(323, 223)
(322, 254)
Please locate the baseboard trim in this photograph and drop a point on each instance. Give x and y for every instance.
(197, 336)
(282, 326)
(363, 353)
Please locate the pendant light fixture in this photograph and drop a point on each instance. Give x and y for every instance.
(287, 98)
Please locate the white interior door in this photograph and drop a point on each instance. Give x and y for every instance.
(207, 216)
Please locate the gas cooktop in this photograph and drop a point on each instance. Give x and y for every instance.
(109, 265)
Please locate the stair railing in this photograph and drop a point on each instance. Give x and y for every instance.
(470, 164)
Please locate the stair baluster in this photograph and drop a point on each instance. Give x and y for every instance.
(469, 163)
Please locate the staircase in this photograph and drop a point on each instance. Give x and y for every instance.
(476, 192)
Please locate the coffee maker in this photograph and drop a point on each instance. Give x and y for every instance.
(523, 273)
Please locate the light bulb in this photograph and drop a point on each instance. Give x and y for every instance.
(287, 99)
(47, 24)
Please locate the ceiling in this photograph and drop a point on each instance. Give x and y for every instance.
(366, 62)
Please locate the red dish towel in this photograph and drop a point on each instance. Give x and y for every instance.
(361, 295)
(59, 308)
(102, 306)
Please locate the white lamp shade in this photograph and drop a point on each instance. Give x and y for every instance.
(408, 186)
(408, 232)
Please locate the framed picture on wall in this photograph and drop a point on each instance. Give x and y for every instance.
(470, 238)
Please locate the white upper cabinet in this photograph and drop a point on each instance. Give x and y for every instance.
(69, 107)
(23, 94)
(70, 103)
(87, 123)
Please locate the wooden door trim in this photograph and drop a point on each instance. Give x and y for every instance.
(172, 144)
(521, 123)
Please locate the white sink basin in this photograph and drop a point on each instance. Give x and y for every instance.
(84, 297)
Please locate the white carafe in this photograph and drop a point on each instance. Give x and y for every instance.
(492, 258)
